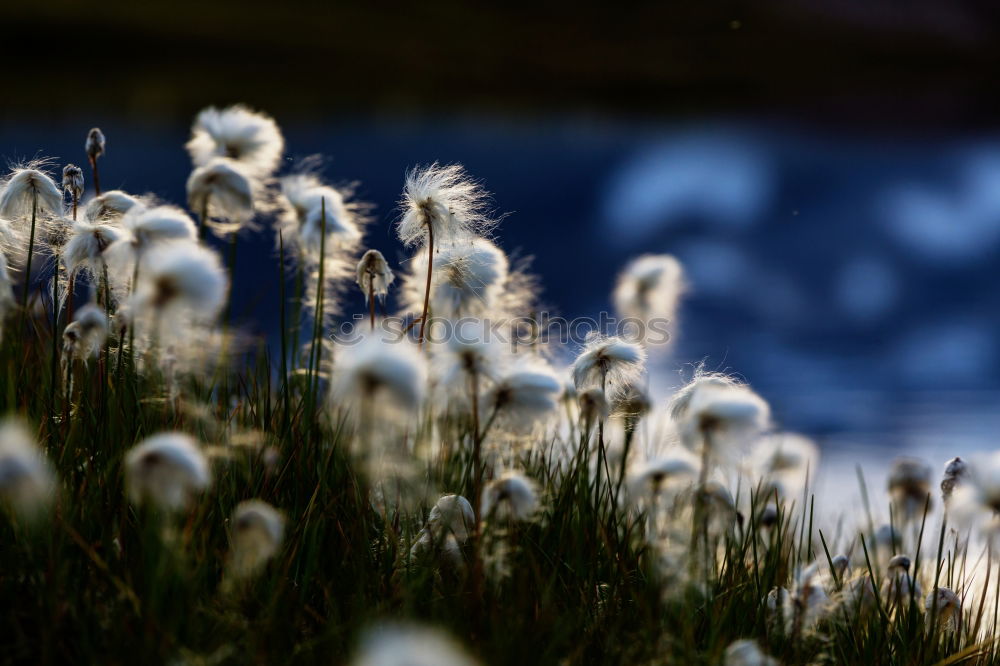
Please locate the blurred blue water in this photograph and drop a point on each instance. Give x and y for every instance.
(852, 280)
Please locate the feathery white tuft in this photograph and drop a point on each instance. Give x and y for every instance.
(611, 363)
(374, 275)
(111, 205)
(409, 645)
(185, 277)
(650, 287)
(522, 396)
(166, 470)
(21, 190)
(27, 480)
(256, 532)
(512, 496)
(224, 193)
(85, 335)
(384, 376)
(251, 138)
(469, 279)
(444, 201)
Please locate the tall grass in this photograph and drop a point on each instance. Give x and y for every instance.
(596, 575)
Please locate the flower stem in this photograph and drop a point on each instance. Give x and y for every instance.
(31, 251)
(97, 176)
(427, 289)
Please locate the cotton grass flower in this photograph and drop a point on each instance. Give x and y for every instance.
(611, 363)
(442, 205)
(94, 147)
(72, 183)
(522, 397)
(945, 606)
(222, 194)
(663, 475)
(448, 527)
(956, 471)
(975, 503)
(379, 378)
(256, 532)
(782, 462)
(182, 278)
(85, 335)
(747, 653)
(512, 496)
(468, 279)
(248, 137)
(166, 470)
(27, 480)
(309, 201)
(909, 487)
(718, 415)
(900, 587)
(111, 206)
(374, 275)
(649, 288)
(29, 191)
(409, 645)
(84, 251)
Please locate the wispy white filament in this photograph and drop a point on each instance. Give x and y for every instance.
(380, 376)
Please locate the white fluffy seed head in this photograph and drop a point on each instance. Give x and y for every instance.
(946, 604)
(313, 205)
(166, 470)
(611, 363)
(95, 143)
(26, 188)
(251, 138)
(373, 275)
(955, 473)
(111, 206)
(746, 652)
(451, 514)
(523, 395)
(720, 413)
(182, 277)
(443, 201)
(85, 335)
(379, 377)
(148, 226)
(27, 480)
(409, 645)
(664, 474)
(512, 496)
(650, 287)
(72, 180)
(224, 193)
(469, 279)
(256, 532)
(87, 244)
